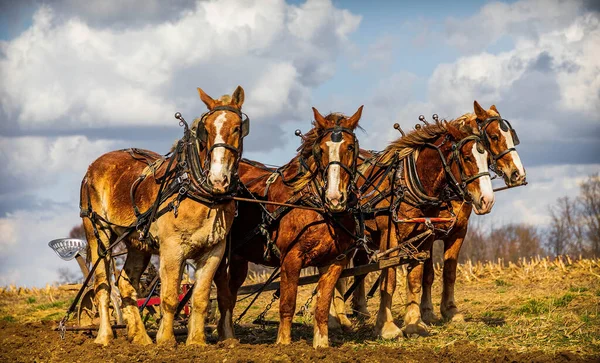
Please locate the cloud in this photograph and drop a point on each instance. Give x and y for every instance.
(28, 260)
(36, 162)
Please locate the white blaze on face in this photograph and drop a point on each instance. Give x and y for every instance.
(333, 173)
(515, 155)
(485, 182)
(218, 169)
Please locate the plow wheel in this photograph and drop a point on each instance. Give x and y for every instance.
(87, 312)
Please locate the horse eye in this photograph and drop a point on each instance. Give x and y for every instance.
(494, 137)
(351, 147)
(236, 129)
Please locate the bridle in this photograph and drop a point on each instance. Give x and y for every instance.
(504, 126)
(201, 135)
(336, 135)
(455, 155)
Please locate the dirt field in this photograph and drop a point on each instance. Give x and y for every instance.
(536, 311)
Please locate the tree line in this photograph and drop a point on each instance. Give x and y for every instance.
(573, 229)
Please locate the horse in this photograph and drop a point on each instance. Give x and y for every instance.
(321, 175)
(188, 212)
(500, 140)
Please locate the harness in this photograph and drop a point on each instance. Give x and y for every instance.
(312, 195)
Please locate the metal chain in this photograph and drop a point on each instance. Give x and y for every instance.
(305, 309)
(261, 317)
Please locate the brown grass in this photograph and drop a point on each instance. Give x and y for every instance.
(539, 304)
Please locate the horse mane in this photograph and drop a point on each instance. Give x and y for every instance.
(406, 145)
(305, 151)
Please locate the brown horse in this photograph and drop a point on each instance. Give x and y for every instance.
(120, 184)
(497, 136)
(500, 140)
(407, 180)
(321, 175)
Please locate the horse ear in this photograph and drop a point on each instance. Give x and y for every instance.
(237, 98)
(479, 111)
(208, 101)
(320, 120)
(353, 121)
(493, 107)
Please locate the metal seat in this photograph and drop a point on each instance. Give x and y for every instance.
(68, 248)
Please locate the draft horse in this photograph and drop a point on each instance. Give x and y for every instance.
(188, 213)
(322, 176)
(412, 178)
(500, 140)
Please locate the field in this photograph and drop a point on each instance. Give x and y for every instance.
(537, 310)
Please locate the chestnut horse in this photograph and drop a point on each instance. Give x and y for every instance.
(321, 175)
(497, 136)
(500, 140)
(120, 184)
(411, 178)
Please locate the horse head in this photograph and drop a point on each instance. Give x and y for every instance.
(335, 152)
(221, 130)
(469, 166)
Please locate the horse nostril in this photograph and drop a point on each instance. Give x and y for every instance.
(515, 175)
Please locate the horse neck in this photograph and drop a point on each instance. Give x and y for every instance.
(430, 171)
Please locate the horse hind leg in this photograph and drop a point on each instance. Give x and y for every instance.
(101, 281)
(426, 300)
(129, 281)
(206, 265)
(227, 287)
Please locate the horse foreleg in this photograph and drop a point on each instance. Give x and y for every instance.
(207, 265)
(337, 311)
(101, 283)
(129, 281)
(426, 303)
(448, 305)
(170, 279)
(290, 273)
(325, 290)
(412, 319)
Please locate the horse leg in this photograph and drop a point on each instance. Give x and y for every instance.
(101, 282)
(290, 273)
(337, 311)
(359, 296)
(129, 281)
(227, 287)
(426, 303)
(385, 326)
(325, 290)
(207, 265)
(452, 248)
(412, 319)
(170, 270)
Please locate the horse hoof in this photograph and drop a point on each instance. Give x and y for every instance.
(453, 315)
(458, 318)
(416, 330)
(167, 342)
(102, 340)
(142, 340)
(429, 317)
(389, 331)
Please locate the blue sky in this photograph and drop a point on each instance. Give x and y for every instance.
(82, 78)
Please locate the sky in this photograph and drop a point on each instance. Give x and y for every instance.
(78, 79)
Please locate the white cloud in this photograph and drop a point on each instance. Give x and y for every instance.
(29, 261)
(36, 161)
(66, 74)
(7, 236)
